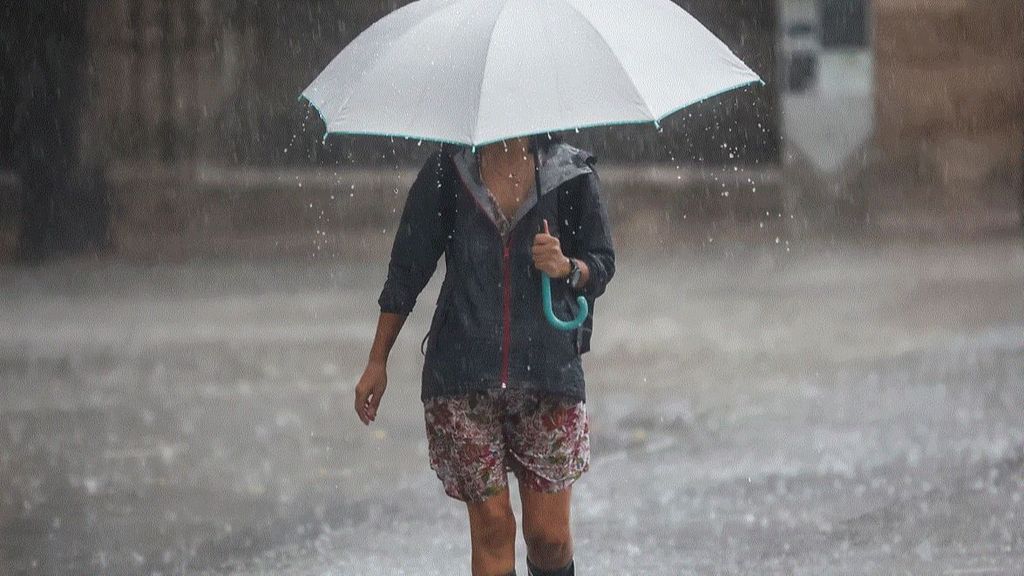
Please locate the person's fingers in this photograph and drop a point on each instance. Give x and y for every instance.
(545, 265)
(374, 403)
(546, 253)
(360, 405)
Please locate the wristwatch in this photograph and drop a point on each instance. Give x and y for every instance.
(573, 279)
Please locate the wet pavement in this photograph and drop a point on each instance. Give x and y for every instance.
(770, 409)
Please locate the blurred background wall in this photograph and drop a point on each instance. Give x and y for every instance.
(950, 98)
(171, 129)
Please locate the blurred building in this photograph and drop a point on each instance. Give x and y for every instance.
(188, 111)
(827, 87)
(888, 104)
(950, 97)
(217, 82)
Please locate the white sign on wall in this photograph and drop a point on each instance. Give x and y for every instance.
(827, 79)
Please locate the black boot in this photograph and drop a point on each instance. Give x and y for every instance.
(568, 570)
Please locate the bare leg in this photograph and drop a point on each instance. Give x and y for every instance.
(546, 527)
(492, 529)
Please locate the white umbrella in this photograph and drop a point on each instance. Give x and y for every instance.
(479, 71)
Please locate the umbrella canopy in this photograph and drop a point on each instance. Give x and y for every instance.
(479, 71)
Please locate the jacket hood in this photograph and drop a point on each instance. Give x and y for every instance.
(559, 163)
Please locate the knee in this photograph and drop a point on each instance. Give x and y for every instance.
(500, 533)
(495, 528)
(549, 548)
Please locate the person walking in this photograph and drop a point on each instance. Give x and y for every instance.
(502, 389)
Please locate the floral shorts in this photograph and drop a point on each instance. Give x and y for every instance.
(474, 440)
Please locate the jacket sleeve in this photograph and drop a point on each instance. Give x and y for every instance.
(420, 240)
(594, 238)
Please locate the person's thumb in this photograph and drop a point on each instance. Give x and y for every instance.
(546, 227)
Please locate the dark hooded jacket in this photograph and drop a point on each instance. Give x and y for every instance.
(488, 329)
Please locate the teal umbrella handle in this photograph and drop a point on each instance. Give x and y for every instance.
(581, 315)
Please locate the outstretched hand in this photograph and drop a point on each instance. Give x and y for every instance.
(369, 390)
(547, 254)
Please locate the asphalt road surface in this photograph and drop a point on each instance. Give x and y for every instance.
(813, 409)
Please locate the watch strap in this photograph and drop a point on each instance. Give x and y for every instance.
(574, 274)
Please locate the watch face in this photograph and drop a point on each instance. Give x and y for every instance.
(574, 274)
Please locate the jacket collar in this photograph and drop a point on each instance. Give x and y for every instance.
(559, 163)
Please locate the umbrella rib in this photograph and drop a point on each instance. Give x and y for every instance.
(558, 80)
(636, 90)
(483, 73)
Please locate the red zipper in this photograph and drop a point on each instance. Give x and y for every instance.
(506, 290)
(506, 287)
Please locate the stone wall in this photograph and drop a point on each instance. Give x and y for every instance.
(160, 74)
(217, 82)
(191, 110)
(171, 214)
(178, 90)
(950, 98)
